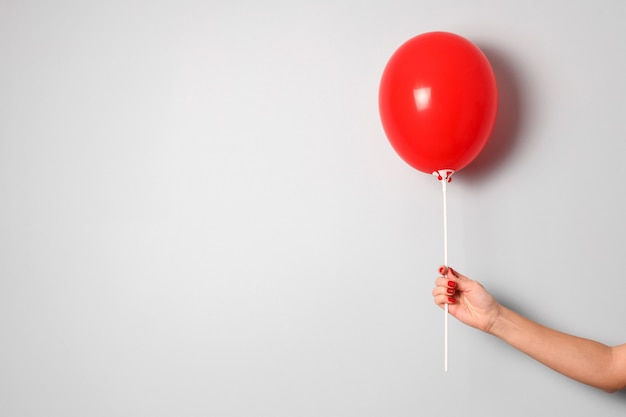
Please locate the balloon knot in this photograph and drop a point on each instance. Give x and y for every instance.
(444, 174)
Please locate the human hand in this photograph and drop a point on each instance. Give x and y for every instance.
(468, 301)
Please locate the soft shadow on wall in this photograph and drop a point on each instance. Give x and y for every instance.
(500, 147)
(506, 131)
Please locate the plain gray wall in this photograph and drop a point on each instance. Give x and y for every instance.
(200, 214)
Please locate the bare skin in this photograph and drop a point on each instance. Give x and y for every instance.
(581, 359)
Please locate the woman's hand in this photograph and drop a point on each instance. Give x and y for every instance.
(469, 302)
(584, 360)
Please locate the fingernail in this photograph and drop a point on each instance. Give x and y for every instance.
(451, 284)
(451, 300)
(441, 270)
(450, 291)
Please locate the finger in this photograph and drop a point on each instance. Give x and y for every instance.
(462, 282)
(447, 291)
(446, 282)
(450, 272)
(442, 299)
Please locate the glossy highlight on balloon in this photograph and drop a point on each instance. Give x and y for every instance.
(438, 101)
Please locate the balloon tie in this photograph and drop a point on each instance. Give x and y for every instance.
(445, 176)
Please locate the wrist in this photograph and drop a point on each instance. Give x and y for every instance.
(497, 324)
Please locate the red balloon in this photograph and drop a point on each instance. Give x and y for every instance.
(438, 101)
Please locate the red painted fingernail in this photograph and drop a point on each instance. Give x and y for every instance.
(441, 270)
(451, 300)
(450, 290)
(451, 284)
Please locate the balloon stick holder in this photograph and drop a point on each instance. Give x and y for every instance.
(445, 176)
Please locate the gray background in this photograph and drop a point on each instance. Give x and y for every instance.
(200, 214)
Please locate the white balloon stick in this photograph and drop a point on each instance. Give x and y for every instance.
(445, 176)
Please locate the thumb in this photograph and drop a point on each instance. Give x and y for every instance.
(463, 283)
(447, 271)
(461, 280)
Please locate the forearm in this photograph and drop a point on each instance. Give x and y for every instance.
(581, 359)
